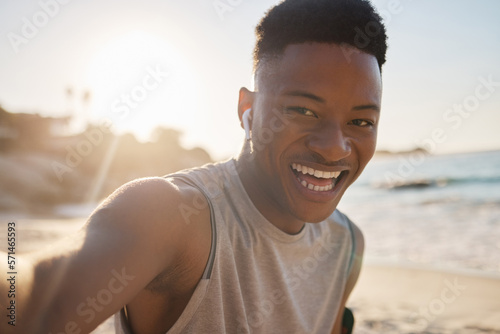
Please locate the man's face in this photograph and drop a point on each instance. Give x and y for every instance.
(316, 112)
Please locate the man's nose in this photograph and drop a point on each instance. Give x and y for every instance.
(331, 142)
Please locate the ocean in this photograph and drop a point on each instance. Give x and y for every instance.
(440, 211)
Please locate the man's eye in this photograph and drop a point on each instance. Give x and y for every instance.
(362, 123)
(301, 110)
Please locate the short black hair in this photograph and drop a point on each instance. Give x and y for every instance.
(351, 22)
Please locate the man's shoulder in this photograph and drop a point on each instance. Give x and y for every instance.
(149, 196)
(342, 218)
(338, 220)
(210, 179)
(340, 224)
(217, 167)
(152, 209)
(355, 233)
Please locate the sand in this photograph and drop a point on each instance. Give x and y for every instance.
(410, 299)
(388, 298)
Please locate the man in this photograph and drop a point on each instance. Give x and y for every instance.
(253, 244)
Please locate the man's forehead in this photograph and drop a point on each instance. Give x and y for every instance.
(316, 61)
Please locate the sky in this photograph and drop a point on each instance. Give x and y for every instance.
(180, 64)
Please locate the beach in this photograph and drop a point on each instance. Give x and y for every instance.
(408, 299)
(389, 297)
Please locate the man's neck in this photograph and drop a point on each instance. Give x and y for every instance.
(266, 205)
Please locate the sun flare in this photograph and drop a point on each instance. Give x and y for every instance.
(139, 82)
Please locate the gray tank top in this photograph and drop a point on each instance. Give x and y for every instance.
(259, 279)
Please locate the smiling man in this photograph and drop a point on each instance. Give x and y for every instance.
(332, 106)
(253, 244)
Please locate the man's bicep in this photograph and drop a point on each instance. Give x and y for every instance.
(126, 242)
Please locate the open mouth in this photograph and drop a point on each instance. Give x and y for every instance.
(315, 179)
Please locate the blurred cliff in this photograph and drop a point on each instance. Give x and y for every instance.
(42, 166)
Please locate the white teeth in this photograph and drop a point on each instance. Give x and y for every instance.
(317, 173)
(316, 188)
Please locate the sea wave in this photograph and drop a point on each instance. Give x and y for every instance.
(417, 183)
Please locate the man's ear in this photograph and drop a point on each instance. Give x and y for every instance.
(245, 102)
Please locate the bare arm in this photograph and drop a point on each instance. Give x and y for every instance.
(78, 283)
(353, 278)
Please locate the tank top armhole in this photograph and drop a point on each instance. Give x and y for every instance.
(353, 245)
(211, 258)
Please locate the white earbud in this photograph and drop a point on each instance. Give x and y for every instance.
(246, 122)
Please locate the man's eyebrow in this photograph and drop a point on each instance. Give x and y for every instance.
(316, 98)
(307, 95)
(367, 106)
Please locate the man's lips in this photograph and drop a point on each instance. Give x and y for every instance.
(316, 179)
